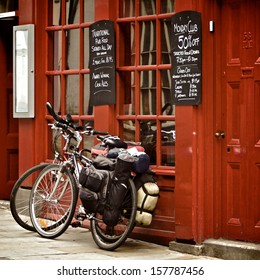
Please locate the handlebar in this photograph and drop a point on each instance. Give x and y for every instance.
(54, 115)
(67, 124)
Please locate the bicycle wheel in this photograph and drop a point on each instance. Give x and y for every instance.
(20, 195)
(110, 238)
(53, 201)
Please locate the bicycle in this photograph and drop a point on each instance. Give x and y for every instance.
(54, 194)
(20, 194)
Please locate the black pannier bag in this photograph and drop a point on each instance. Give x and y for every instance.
(94, 187)
(118, 189)
(102, 162)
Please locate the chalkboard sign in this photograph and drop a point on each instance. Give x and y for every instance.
(102, 63)
(186, 58)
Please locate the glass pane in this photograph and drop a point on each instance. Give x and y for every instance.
(127, 8)
(167, 6)
(7, 6)
(168, 138)
(56, 93)
(128, 79)
(86, 48)
(129, 130)
(57, 50)
(148, 43)
(148, 7)
(127, 44)
(88, 141)
(148, 138)
(167, 103)
(165, 41)
(73, 49)
(72, 95)
(56, 17)
(148, 93)
(72, 11)
(87, 109)
(89, 10)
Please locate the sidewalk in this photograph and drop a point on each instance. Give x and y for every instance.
(17, 243)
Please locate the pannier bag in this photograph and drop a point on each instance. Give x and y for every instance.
(118, 189)
(147, 197)
(104, 163)
(94, 187)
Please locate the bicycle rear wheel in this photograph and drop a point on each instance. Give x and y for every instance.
(53, 201)
(20, 196)
(110, 238)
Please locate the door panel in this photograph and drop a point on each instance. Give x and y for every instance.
(9, 125)
(240, 120)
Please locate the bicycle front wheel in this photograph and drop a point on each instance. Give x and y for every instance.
(20, 196)
(53, 201)
(110, 238)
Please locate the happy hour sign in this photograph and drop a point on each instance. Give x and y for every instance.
(186, 58)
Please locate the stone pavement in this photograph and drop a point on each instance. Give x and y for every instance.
(17, 243)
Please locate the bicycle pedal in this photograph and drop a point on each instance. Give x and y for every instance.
(81, 216)
(76, 224)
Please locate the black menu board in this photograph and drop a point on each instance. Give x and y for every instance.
(186, 58)
(102, 63)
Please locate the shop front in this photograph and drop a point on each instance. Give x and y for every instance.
(205, 155)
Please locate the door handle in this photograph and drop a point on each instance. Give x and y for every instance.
(220, 133)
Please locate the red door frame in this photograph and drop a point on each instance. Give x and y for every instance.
(196, 216)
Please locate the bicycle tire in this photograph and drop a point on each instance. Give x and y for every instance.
(108, 238)
(52, 210)
(20, 195)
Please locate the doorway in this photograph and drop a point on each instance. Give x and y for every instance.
(238, 131)
(9, 125)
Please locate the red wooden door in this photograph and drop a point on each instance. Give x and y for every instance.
(9, 125)
(240, 101)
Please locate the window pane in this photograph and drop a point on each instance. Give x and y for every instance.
(167, 6)
(127, 44)
(56, 93)
(72, 95)
(56, 19)
(128, 79)
(57, 57)
(148, 43)
(148, 7)
(89, 12)
(127, 8)
(73, 49)
(86, 48)
(87, 109)
(167, 102)
(168, 143)
(148, 93)
(88, 141)
(165, 41)
(129, 130)
(72, 11)
(148, 138)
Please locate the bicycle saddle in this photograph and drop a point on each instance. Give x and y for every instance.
(113, 142)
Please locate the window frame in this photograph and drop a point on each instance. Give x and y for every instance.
(137, 68)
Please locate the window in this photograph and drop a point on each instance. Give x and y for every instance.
(145, 111)
(68, 58)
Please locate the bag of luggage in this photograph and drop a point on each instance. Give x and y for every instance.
(147, 197)
(94, 187)
(118, 189)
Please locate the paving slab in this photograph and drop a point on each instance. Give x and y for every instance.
(17, 243)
